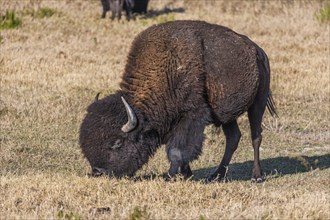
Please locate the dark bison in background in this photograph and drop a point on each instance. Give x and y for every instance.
(130, 6)
(180, 76)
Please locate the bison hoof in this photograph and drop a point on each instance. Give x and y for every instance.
(212, 179)
(257, 180)
(169, 178)
(176, 177)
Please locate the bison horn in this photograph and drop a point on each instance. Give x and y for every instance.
(132, 120)
(97, 96)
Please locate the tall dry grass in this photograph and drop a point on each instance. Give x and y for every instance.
(51, 69)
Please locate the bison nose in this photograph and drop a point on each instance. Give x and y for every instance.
(98, 171)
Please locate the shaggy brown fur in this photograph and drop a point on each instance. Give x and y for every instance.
(180, 76)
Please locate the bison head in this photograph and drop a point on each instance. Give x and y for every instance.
(114, 139)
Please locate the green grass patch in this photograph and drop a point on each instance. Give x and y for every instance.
(67, 216)
(202, 217)
(324, 14)
(44, 12)
(165, 18)
(10, 21)
(158, 19)
(138, 214)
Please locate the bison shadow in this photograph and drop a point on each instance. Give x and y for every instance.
(272, 167)
(155, 13)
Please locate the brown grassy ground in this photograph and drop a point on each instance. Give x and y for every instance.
(51, 69)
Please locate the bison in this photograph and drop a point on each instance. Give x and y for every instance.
(130, 6)
(180, 77)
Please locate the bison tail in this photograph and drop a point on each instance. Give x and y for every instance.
(271, 105)
(265, 62)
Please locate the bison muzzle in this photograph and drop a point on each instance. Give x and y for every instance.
(180, 77)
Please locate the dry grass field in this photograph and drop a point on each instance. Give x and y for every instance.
(51, 68)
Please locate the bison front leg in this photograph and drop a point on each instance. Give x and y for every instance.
(113, 14)
(186, 171)
(184, 146)
(177, 165)
(105, 7)
(233, 136)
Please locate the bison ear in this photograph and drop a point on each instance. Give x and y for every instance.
(132, 120)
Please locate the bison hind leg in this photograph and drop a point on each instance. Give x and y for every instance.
(255, 114)
(256, 130)
(233, 135)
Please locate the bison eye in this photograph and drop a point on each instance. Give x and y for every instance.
(117, 144)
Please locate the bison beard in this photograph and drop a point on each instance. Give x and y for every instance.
(180, 77)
